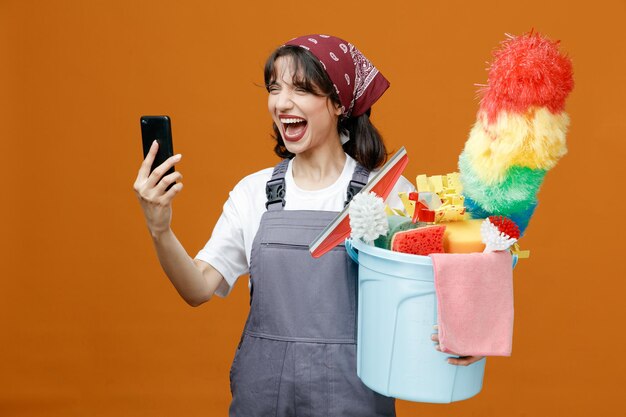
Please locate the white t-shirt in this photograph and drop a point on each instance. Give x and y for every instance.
(228, 249)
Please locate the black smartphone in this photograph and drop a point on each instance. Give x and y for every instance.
(157, 128)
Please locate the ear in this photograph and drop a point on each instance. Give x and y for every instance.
(333, 107)
(337, 110)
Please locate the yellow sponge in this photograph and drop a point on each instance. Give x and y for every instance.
(463, 237)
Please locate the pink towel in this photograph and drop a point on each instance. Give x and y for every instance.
(474, 302)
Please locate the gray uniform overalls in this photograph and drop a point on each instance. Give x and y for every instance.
(297, 354)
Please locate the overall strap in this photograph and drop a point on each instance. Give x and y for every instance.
(275, 187)
(359, 180)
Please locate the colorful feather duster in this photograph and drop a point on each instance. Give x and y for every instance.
(520, 129)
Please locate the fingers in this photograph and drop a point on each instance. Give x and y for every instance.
(166, 181)
(435, 337)
(162, 169)
(144, 170)
(151, 189)
(171, 193)
(464, 360)
(461, 360)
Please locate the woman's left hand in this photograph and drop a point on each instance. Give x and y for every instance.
(461, 360)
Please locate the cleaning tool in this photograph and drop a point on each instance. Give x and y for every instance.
(368, 219)
(520, 129)
(442, 195)
(381, 184)
(463, 237)
(474, 303)
(498, 233)
(421, 241)
(395, 224)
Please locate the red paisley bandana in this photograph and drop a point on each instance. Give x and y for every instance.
(357, 82)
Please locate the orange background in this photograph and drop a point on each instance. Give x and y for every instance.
(90, 324)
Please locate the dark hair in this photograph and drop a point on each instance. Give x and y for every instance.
(366, 144)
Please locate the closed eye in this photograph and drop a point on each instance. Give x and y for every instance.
(272, 87)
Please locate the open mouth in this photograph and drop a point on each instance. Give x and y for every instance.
(293, 127)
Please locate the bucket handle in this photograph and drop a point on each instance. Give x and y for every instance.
(351, 251)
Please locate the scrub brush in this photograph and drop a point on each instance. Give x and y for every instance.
(368, 220)
(498, 233)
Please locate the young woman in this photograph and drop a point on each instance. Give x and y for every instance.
(297, 354)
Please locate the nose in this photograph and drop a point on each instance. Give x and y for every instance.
(284, 100)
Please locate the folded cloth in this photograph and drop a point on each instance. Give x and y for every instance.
(474, 302)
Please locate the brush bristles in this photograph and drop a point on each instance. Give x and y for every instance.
(368, 219)
(493, 238)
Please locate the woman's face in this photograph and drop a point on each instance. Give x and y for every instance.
(306, 121)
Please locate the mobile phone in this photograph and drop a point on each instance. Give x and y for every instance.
(157, 128)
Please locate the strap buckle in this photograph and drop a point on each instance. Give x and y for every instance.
(275, 192)
(353, 189)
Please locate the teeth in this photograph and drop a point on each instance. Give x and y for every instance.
(291, 120)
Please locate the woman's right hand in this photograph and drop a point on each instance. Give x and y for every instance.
(154, 200)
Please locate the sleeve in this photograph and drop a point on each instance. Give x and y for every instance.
(225, 250)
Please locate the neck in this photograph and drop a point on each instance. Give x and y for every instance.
(320, 167)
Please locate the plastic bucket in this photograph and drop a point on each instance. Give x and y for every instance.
(397, 308)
